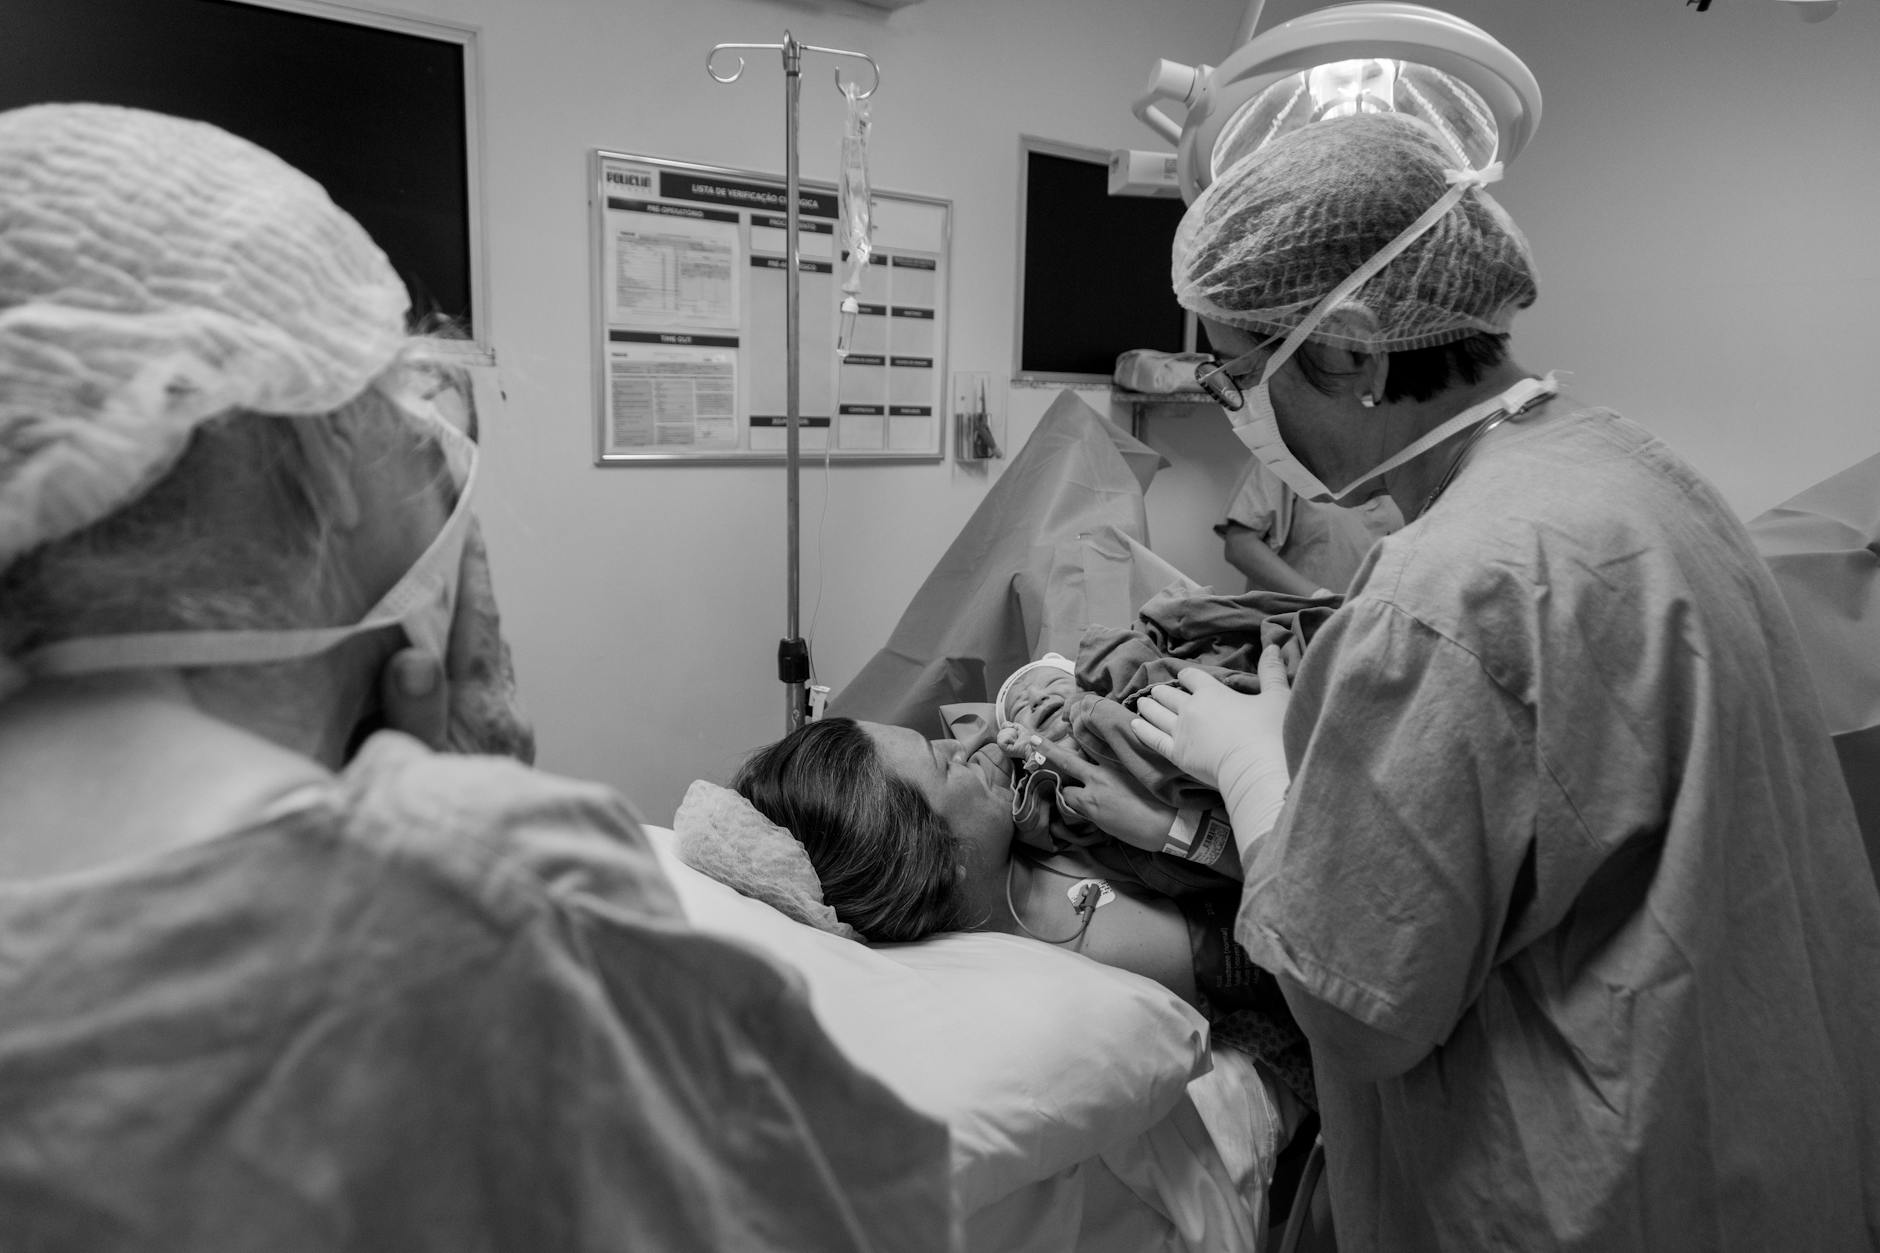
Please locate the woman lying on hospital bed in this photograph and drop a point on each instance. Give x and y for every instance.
(912, 837)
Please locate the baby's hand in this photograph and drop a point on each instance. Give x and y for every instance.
(1013, 740)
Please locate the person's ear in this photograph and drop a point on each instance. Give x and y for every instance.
(1373, 377)
(1353, 325)
(1355, 329)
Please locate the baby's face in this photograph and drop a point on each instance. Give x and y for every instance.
(1036, 701)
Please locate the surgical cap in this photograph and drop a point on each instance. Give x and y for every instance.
(154, 273)
(1278, 230)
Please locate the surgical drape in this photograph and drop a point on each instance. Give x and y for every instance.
(1824, 547)
(1059, 542)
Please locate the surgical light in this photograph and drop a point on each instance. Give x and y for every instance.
(1348, 58)
(1342, 88)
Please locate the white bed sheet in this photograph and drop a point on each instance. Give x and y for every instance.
(1094, 1119)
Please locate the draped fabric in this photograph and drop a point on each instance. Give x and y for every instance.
(447, 1003)
(1824, 547)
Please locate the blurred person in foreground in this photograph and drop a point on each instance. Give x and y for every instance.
(270, 980)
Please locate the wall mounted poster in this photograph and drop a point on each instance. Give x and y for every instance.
(690, 268)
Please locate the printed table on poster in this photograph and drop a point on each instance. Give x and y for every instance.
(690, 265)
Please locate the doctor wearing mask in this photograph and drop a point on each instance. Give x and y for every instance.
(1546, 844)
(270, 977)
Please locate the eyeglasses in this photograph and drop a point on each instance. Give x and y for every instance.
(1216, 378)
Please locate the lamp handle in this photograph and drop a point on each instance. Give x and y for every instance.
(1169, 80)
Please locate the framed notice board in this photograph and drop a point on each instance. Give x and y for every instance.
(689, 266)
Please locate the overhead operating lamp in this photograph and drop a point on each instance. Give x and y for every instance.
(1347, 58)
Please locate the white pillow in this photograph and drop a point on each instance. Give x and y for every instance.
(1036, 1058)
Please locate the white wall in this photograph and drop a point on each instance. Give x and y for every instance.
(1703, 198)
(1700, 196)
(645, 603)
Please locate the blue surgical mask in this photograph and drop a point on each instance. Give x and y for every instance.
(422, 603)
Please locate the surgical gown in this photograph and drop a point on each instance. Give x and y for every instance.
(444, 1003)
(1565, 815)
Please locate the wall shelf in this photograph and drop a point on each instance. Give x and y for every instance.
(1142, 404)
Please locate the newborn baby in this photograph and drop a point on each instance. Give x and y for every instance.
(1043, 719)
(1033, 701)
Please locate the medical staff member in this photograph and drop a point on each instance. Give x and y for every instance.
(1285, 543)
(1546, 845)
(264, 986)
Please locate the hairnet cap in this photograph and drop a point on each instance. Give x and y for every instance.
(1280, 228)
(156, 272)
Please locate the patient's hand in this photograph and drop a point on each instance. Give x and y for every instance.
(1105, 796)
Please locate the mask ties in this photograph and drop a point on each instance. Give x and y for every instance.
(1460, 181)
(422, 602)
(1255, 423)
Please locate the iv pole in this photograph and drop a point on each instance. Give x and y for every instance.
(792, 650)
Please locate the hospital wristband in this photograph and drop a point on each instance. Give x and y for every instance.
(1217, 833)
(1181, 833)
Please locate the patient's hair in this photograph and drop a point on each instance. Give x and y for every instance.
(888, 862)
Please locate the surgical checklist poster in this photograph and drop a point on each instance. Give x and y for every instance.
(692, 346)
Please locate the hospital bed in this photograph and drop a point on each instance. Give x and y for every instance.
(1088, 1111)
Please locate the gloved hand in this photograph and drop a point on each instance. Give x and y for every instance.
(1225, 739)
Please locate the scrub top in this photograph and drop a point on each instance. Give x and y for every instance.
(1323, 542)
(1564, 812)
(444, 1003)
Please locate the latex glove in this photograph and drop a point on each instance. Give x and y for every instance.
(1105, 796)
(468, 703)
(1228, 740)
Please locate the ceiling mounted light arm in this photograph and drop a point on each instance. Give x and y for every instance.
(1385, 55)
(1174, 82)
(1250, 22)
